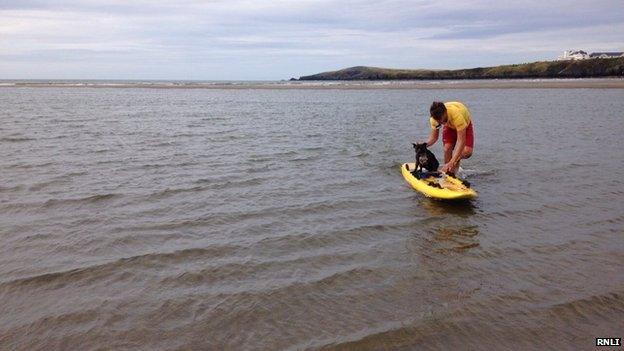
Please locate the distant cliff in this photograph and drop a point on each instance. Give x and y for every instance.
(544, 69)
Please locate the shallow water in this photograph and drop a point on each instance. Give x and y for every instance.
(158, 219)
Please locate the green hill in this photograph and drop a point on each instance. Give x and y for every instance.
(613, 67)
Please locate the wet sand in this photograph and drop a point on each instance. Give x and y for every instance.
(598, 83)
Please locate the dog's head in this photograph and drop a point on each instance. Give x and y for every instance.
(421, 153)
(420, 147)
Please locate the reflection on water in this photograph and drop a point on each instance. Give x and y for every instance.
(455, 238)
(449, 227)
(463, 209)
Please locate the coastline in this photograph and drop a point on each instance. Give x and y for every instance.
(591, 83)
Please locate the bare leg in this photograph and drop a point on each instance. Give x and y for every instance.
(448, 152)
(466, 153)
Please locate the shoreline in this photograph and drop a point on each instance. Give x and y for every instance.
(597, 83)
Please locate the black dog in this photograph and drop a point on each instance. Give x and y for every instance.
(425, 159)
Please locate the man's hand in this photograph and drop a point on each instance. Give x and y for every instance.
(447, 167)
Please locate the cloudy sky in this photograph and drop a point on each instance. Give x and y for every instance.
(278, 39)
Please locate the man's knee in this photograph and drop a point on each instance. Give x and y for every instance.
(467, 153)
(448, 147)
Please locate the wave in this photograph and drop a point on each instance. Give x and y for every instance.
(42, 185)
(11, 188)
(479, 325)
(83, 200)
(245, 274)
(55, 203)
(30, 165)
(221, 184)
(15, 139)
(94, 272)
(171, 192)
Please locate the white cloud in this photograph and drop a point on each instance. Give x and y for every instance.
(244, 39)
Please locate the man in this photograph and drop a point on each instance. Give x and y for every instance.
(457, 134)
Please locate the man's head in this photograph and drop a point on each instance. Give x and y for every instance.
(438, 112)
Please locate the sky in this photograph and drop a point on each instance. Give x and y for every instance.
(278, 39)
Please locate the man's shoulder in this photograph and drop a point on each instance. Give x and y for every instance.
(457, 109)
(454, 104)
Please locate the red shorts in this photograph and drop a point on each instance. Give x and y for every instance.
(449, 136)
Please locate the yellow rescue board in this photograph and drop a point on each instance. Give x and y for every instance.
(444, 187)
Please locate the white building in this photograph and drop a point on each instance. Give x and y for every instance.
(606, 54)
(574, 55)
(582, 55)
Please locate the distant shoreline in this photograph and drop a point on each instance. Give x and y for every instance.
(600, 83)
(590, 68)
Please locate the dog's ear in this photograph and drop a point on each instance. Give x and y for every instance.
(415, 145)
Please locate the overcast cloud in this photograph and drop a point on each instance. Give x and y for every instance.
(249, 40)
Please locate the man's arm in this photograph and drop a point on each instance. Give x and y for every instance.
(433, 137)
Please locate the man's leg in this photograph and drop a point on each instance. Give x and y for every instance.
(466, 153)
(449, 138)
(448, 152)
